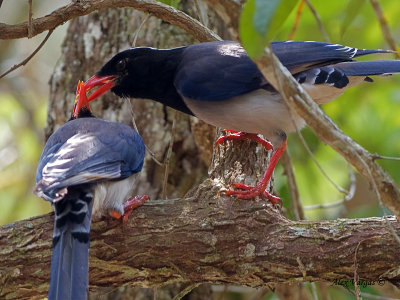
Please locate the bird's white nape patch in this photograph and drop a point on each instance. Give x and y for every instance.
(231, 49)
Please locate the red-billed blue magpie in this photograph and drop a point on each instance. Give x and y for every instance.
(88, 166)
(218, 83)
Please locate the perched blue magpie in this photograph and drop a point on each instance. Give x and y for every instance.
(88, 166)
(218, 83)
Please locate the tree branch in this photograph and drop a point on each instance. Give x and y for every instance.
(300, 103)
(384, 26)
(81, 8)
(205, 238)
(26, 60)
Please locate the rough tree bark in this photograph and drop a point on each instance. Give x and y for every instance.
(206, 238)
(202, 237)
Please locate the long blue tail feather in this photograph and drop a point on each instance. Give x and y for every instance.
(69, 261)
(369, 68)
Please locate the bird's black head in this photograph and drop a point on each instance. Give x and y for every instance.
(134, 70)
(140, 73)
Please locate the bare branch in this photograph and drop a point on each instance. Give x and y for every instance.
(384, 26)
(377, 156)
(294, 190)
(26, 60)
(296, 24)
(347, 197)
(204, 238)
(168, 156)
(80, 8)
(300, 103)
(30, 15)
(318, 19)
(303, 141)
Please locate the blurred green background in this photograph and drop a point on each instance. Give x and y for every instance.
(369, 113)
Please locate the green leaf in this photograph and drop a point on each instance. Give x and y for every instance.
(352, 10)
(260, 22)
(251, 39)
(173, 3)
(264, 14)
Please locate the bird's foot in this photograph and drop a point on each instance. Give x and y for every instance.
(129, 206)
(240, 136)
(249, 192)
(132, 203)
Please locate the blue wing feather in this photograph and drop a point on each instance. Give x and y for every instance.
(298, 56)
(369, 68)
(221, 70)
(216, 71)
(79, 153)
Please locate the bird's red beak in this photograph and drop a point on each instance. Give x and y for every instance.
(81, 99)
(105, 83)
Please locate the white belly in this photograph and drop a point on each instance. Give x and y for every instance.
(111, 196)
(260, 112)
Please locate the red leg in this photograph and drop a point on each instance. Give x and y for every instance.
(129, 206)
(240, 136)
(248, 192)
(132, 203)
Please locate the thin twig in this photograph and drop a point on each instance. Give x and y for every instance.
(366, 295)
(200, 12)
(147, 16)
(224, 292)
(374, 184)
(82, 8)
(26, 60)
(377, 156)
(305, 145)
(168, 157)
(186, 291)
(293, 188)
(296, 24)
(319, 22)
(152, 155)
(348, 197)
(30, 26)
(1, 2)
(384, 26)
(261, 293)
(314, 290)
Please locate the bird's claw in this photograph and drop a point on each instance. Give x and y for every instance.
(132, 203)
(249, 192)
(129, 206)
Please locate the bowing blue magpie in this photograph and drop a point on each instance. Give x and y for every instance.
(218, 83)
(87, 167)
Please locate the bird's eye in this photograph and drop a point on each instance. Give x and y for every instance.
(121, 65)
